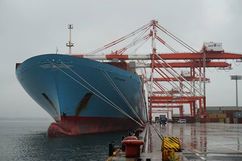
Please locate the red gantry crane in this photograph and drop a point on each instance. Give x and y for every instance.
(173, 79)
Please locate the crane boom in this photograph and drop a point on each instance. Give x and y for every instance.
(165, 56)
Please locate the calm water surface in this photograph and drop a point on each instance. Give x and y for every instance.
(27, 140)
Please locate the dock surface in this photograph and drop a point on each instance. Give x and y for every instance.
(200, 141)
(209, 141)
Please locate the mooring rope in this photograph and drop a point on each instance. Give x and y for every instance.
(122, 96)
(99, 95)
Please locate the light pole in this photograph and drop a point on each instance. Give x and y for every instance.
(236, 78)
(69, 44)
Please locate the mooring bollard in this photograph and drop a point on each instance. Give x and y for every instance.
(132, 147)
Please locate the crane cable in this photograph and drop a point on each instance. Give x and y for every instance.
(144, 27)
(164, 75)
(179, 41)
(176, 38)
(177, 74)
(136, 40)
(133, 43)
(165, 43)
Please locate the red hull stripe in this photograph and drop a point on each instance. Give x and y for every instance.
(85, 125)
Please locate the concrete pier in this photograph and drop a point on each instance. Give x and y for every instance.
(200, 141)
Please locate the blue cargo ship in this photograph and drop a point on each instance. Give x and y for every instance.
(82, 95)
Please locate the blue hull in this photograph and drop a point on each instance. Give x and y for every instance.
(67, 86)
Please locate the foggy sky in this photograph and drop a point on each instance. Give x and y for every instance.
(33, 27)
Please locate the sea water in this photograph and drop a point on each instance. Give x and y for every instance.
(27, 140)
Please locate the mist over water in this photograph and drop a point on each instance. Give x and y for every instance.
(27, 140)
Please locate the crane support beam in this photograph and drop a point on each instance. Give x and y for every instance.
(172, 101)
(199, 56)
(194, 64)
(175, 98)
(166, 56)
(160, 79)
(170, 106)
(162, 111)
(167, 92)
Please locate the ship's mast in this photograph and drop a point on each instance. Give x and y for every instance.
(69, 44)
